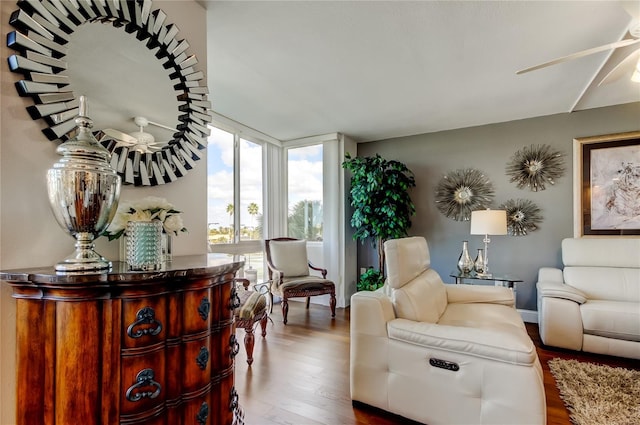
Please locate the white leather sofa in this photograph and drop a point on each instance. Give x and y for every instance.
(593, 304)
(442, 354)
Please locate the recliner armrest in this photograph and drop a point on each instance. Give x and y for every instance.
(465, 294)
(561, 290)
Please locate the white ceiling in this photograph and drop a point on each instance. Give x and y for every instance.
(382, 69)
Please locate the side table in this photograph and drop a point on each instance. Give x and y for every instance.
(499, 279)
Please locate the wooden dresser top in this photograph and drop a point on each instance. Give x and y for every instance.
(181, 267)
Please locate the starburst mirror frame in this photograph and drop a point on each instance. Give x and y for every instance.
(523, 216)
(535, 166)
(461, 191)
(41, 36)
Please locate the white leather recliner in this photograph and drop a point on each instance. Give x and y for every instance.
(593, 303)
(442, 354)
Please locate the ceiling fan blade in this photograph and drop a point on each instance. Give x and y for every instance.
(119, 135)
(615, 45)
(622, 67)
(123, 143)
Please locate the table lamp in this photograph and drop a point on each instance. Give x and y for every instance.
(488, 222)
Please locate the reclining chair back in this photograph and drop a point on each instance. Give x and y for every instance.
(417, 291)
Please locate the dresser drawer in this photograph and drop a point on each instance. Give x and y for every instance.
(199, 411)
(225, 400)
(196, 364)
(144, 321)
(196, 310)
(225, 346)
(143, 383)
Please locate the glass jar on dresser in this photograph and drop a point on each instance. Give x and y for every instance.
(127, 347)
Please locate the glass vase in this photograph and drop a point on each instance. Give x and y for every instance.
(478, 264)
(465, 262)
(144, 245)
(167, 250)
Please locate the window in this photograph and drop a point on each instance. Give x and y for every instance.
(250, 190)
(305, 186)
(220, 205)
(235, 217)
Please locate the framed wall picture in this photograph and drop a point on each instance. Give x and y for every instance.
(606, 185)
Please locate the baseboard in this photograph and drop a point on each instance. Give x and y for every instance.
(529, 316)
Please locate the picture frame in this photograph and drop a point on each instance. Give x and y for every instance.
(606, 185)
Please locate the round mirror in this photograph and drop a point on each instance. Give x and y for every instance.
(147, 101)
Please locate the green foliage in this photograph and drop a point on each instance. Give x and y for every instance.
(380, 198)
(305, 220)
(370, 280)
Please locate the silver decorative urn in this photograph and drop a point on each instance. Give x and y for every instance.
(83, 193)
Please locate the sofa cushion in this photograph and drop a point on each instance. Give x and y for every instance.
(611, 319)
(602, 252)
(605, 283)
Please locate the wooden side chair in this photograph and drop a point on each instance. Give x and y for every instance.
(251, 309)
(289, 273)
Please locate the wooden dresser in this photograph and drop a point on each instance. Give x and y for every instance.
(127, 347)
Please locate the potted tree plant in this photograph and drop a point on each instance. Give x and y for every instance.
(382, 206)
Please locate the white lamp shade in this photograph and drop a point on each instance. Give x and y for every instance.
(489, 222)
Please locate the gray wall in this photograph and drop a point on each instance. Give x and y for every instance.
(489, 148)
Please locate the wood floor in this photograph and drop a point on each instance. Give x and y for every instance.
(300, 373)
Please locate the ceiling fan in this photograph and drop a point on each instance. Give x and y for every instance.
(138, 140)
(632, 37)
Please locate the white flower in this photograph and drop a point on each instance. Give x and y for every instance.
(173, 224)
(145, 209)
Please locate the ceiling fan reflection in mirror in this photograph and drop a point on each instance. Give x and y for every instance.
(630, 63)
(141, 140)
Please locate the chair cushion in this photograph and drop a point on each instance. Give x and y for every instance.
(303, 282)
(251, 303)
(290, 257)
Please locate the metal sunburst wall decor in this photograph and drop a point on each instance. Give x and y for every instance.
(534, 166)
(523, 216)
(461, 191)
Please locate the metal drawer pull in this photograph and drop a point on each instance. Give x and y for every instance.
(233, 399)
(144, 316)
(203, 414)
(203, 358)
(234, 302)
(235, 346)
(205, 308)
(145, 386)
